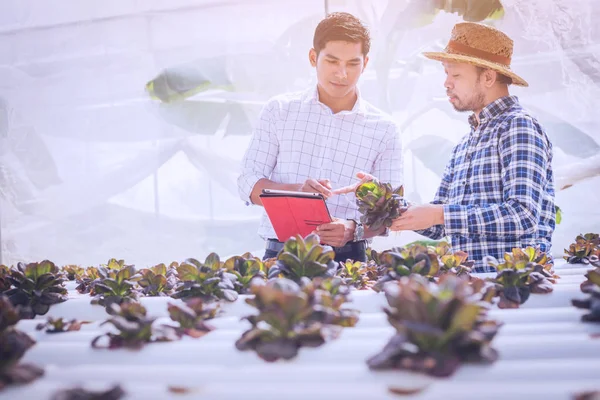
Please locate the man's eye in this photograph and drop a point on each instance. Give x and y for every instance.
(331, 61)
(455, 75)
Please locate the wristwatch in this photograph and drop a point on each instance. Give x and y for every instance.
(359, 231)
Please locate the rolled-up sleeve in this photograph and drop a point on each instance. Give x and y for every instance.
(261, 156)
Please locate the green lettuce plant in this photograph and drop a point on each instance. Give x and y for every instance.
(93, 275)
(36, 286)
(373, 256)
(517, 277)
(209, 281)
(304, 258)
(246, 268)
(13, 345)
(400, 261)
(157, 280)
(587, 395)
(59, 325)
(438, 326)
(114, 264)
(134, 328)
(192, 317)
(87, 280)
(453, 262)
(4, 281)
(114, 286)
(592, 303)
(585, 250)
(291, 316)
(358, 274)
(79, 393)
(72, 272)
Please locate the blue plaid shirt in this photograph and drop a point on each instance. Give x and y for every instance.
(497, 188)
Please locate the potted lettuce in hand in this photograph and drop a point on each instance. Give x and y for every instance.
(379, 204)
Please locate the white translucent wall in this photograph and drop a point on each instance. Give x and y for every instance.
(92, 166)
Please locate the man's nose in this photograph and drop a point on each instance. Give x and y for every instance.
(341, 72)
(448, 83)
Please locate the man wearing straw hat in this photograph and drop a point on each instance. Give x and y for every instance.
(497, 190)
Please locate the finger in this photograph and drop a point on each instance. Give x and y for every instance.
(330, 239)
(363, 176)
(348, 189)
(326, 228)
(321, 189)
(345, 189)
(314, 186)
(325, 182)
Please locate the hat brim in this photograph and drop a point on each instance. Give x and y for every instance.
(443, 56)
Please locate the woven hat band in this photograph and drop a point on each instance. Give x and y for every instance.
(463, 49)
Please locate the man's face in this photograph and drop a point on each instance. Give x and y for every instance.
(464, 87)
(339, 66)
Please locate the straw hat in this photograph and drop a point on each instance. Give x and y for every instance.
(479, 45)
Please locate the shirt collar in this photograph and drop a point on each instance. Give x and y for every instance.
(493, 109)
(359, 106)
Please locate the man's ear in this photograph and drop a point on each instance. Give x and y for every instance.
(365, 63)
(489, 77)
(312, 57)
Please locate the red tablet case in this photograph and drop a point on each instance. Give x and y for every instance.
(294, 213)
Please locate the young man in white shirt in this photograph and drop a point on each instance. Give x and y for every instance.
(319, 139)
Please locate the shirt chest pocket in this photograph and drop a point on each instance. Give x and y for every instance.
(485, 172)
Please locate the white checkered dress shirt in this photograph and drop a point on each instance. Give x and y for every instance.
(297, 138)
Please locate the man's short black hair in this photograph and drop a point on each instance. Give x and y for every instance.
(341, 26)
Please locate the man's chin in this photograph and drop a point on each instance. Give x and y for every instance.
(459, 108)
(338, 91)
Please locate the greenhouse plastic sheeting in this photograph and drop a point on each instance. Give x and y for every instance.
(123, 122)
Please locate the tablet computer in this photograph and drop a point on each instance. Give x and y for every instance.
(294, 213)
